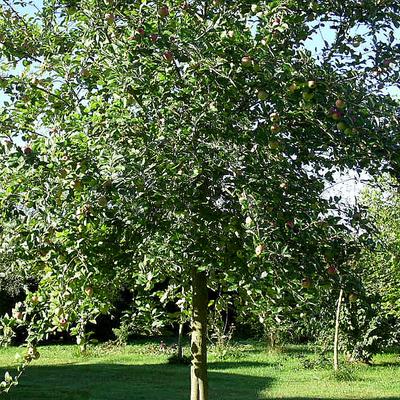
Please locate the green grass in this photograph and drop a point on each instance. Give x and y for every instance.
(139, 372)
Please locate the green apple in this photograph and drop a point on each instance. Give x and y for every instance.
(262, 95)
(353, 297)
(307, 96)
(312, 84)
(275, 128)
(293, 87)
(306, 282)
(260, 249)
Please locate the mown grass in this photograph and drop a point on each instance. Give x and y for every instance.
(247, 372)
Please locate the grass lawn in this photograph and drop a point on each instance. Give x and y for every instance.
(140, 372)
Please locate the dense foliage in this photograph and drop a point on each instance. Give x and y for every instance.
(184, 142)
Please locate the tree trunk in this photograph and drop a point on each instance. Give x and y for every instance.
(199, 381)
(336, 340)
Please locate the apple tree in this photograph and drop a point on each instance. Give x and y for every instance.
(183, 142)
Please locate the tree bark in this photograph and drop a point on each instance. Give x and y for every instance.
(336, 340)
(199, 380)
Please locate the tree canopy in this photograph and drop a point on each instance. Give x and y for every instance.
(188, 141)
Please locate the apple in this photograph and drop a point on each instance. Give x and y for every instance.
(27, 150)
(153, 37)
(331, 270)
(89, 291)
(85, 72)
(77, 184)
(284, 185)
(262, 95)
(307, 96)
(386, 62)
(341, 126)
(259, 249)
(290, 224)
(109, 18)
(163, 11)
(102, 201)
(35, 299)
(353, 297)
(274, 117)
(246, 61)
(336, 114)
(276, 22)
(63, 322)
(275, 128)
(168, 56)
(293, 87)
(141, 31)
(340, 104)
(33, 353)
(273, 144)
(306, 282)
(249, 221)
(18, 315)
(312, 84)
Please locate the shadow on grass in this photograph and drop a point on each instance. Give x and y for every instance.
(133, 382)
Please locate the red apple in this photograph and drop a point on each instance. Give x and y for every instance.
(340, 104)
(141, 31)
(153, 37)
(89, 291)
(18, 315)
(290, 224)
(168, 56)
(163, 11)
(246, 61)
(331, 270)
(109, 18)
(336, 114)
(27, 150)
